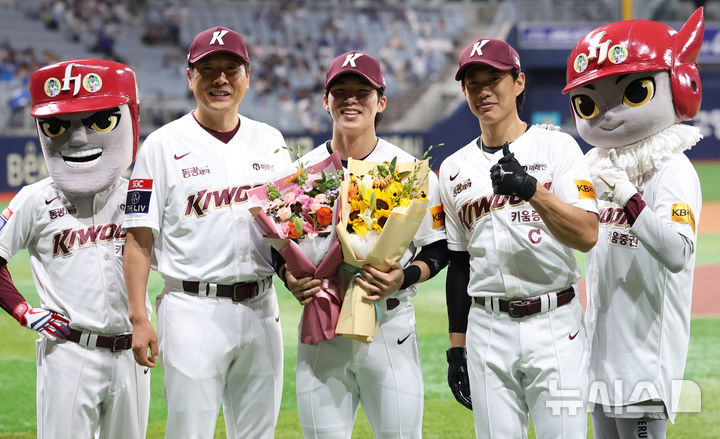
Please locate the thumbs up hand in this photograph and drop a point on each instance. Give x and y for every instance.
(509, 178)
(613, 184)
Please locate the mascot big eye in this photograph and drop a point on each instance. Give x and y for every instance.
(630, 85)
(86, 113)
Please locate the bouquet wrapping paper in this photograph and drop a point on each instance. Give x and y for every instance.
(359, 318)
(312, 251)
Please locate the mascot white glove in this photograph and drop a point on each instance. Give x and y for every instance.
(613, 184)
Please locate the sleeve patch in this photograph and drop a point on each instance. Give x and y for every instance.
(585, 189)
(138, 201)
(681, 213)
(438, 216)
(140, 183)
(4, 217)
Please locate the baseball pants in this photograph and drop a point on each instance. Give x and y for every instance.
(335, 375)
(90, 392)
(535, 365)
(213, 350)
(607, 427)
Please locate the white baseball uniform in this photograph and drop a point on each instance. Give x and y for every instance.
(190, 189)
(638, 308)
(335, 375)
(76, 248)
(518, 366)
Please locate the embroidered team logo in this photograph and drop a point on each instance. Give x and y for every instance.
(92, 82)
(438, 216)
(681, 213)
(4, 217)
(138, 196)
(52, 87)
(585, 189)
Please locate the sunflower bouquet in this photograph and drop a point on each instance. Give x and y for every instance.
(383, 204)
(297, 215)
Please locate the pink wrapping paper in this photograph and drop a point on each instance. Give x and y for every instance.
(320, 316)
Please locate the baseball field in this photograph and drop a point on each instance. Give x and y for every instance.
(443, 417)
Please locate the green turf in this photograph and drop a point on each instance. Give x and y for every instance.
(709, 174)
(443, 417)
(708, 249)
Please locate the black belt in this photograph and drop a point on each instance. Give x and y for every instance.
(115, 343)
(527, 307)
(237, 292)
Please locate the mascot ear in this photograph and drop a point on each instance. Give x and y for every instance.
(684, 75)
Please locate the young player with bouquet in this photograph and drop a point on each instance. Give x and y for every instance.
(334, 376)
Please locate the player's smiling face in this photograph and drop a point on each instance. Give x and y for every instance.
(219, 83)
(491, 93)
(623, 109)
(86, 152)
(353, 103)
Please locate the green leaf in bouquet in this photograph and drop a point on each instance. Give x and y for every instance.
(302, 178)
(403, 174)
(408, 188)
(272, 192)
(298, 224)
(373, 199)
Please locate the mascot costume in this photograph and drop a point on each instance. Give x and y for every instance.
(631, 83)
(88, 383)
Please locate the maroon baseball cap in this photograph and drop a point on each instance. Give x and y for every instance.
(358, 63)
(493, 52)
(217, 39)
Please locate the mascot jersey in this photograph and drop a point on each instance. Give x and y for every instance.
(638, 310)
(630, 85)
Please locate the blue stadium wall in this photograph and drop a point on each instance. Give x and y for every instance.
(543, 51)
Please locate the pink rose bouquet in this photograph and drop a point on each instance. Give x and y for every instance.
(298, 216)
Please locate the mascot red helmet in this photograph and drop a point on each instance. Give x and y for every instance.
(643, 46)
(84, 85)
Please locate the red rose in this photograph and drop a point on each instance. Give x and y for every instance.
(324, 216)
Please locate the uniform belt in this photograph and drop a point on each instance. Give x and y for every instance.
(392, 303)
(237, 292)
(527, 307)
(121, 342)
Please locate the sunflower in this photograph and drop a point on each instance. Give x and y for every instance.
(359, 227)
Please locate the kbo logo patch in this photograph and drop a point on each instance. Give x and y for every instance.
(681, 213)
(585, 189)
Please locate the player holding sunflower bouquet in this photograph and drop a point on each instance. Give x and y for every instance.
(385, 374)
(383, 205)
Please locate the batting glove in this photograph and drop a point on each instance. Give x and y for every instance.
(509, 178)
(458, 376)
(47, 323)
(613, 184)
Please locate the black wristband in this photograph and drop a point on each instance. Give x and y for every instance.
(412, 274)
(434, 255)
